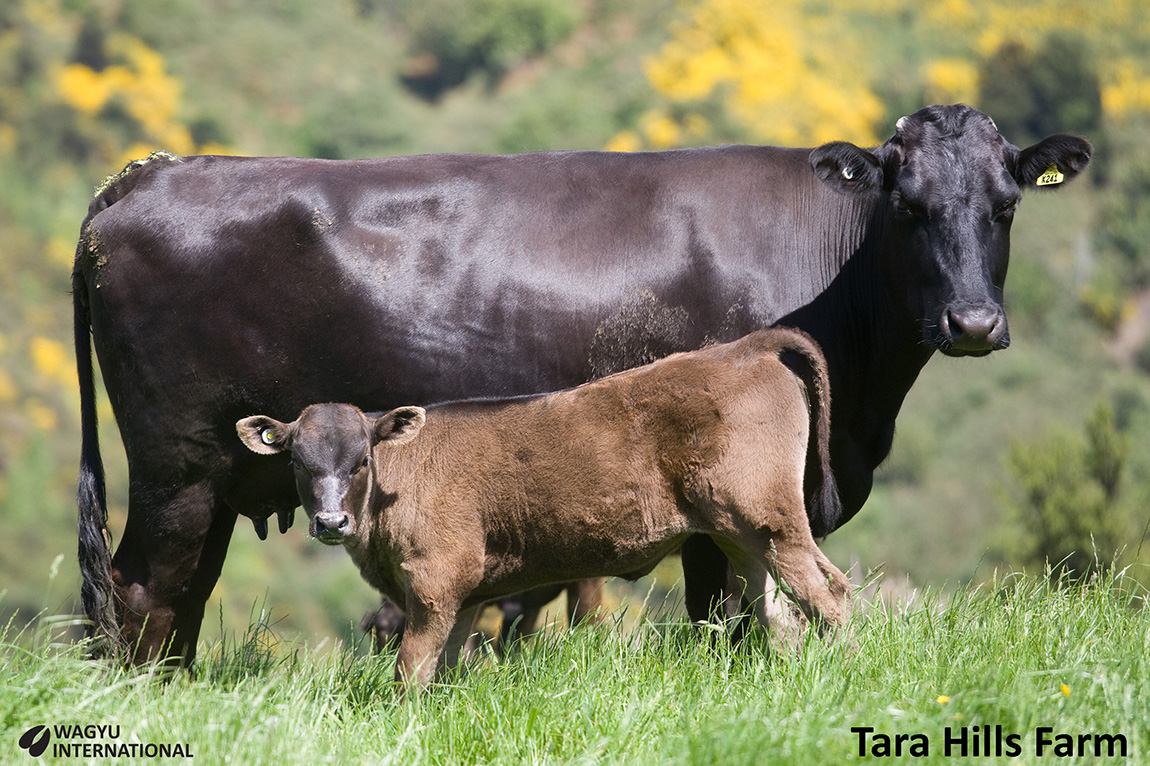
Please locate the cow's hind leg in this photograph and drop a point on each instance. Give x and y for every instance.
(585, 601)
(166, 566)
(799, 571)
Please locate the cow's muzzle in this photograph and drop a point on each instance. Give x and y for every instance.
(332, 528)
(971, 330)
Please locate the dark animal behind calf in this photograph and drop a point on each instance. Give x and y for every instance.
(446, 508)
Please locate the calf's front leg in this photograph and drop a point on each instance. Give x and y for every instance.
(429, 626)
(459, 638)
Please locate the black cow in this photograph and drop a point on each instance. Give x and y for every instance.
(217, 287)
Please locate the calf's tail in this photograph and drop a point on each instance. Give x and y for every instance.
(94, 555)
(824, 507)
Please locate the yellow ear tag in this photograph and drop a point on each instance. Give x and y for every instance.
(1049, 177)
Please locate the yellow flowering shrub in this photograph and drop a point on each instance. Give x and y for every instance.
(52, 360)
(625, 141)
(8, 390)
(799, 72)
(83, 89)
(1128, 90)
(775, 68)
(951, 81)
(141, 84)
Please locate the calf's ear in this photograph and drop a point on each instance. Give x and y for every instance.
(399, 426)
(846, 167)
(264, 435)
(1051, 161)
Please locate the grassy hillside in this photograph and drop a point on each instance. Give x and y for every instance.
(1043, 664)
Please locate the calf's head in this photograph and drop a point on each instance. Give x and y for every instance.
(947, 186)
(331, 448)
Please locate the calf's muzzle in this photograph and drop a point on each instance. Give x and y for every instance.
(332, 527)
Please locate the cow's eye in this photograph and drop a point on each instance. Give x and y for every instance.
(362, 464)
(907, 209)
(1006, 209)
(298, 466)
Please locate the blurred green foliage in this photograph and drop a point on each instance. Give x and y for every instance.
(454, 39)
(1067, 505)
(1052, 89)
(86, 85)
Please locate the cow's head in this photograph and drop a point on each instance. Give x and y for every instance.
(331, 448)
(949, 185)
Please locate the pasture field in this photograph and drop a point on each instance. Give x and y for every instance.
(1006, 665)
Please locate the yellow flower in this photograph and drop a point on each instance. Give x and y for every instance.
(627, 141)
(1065, 689)
(943, 699)
(83, 89)
(52, 360)
(660, 130)
(951, 81)
(42, 416)
(8, 388)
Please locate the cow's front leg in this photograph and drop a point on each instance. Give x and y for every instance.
(708, 589)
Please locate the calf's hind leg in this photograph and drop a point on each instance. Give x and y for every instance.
(802, 572)
(808, 577)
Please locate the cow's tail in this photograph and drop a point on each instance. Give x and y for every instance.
(96, 587)
(824, 507)
(94, 554)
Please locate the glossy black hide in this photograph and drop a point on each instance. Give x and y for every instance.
(217, 287)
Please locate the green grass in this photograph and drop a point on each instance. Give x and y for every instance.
(655, 693)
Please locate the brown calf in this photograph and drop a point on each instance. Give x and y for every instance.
(446, 508)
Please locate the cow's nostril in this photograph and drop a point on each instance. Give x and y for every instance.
(974, 324)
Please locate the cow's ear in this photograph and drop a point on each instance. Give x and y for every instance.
(399, 426)
(264, 435)
(846, 167)
(1051, 161)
